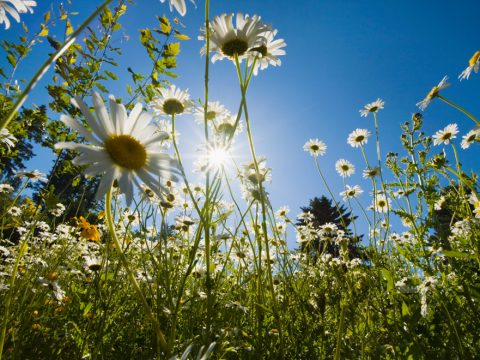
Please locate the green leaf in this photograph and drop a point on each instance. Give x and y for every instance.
(457, 254)
(405, 309)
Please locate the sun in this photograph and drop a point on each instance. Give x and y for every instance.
(217, 157)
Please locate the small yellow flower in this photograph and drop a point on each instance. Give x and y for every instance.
(36, 326)
(89, 231)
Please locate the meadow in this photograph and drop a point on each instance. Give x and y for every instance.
(121, 252)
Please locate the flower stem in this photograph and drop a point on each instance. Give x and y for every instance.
(459, 108)
(162, 343)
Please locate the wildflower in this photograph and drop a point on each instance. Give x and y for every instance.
(5, 136)
(427, 284)
(439, 203)
(306, 216)
(6, 188)
(394, 237)
(227, 126)
(31, 175)
(215, 111)
(381, 203)
(15, 211)
(371, 172)
(445, 135)
(358, 137)
(179, 6)
(315, 147)
(282, 212)
(93, 263)
(88, 231)
(267, 53)
(344, 168)
(58, 210)
(473, 64)
(351, 192)
(19, 7)
(172, 101)
(373, 107)
(228, 42)
(473, 199)
(433, 93)
(122, 147)
(470, 137)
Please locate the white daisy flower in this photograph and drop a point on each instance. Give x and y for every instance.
(473, 64)
(31, 175)
(470, 138)
(282, 212)
(373, 107)
(8, 139)
(381, 203)
(227, 41)
(439, 203)
(14, 8)
(445, 135)
(224, 127)
(358, 137)
(6, 188)
(315, 147)
(433, 93)
(179, 5)
(351, 192)
(344, 168)
(371, 172)
(267, 53)
(215, 111)
(15, 211)
(473, 199)
(172, 101)
(122, 147)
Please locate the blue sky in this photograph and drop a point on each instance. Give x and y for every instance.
(340, 56)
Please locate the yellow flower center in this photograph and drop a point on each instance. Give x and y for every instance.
(474, 59)
(262, 49)
(234, 47)
(173, 106)
(126, 151)
(359, 138)
(345, 167)
(211, 115)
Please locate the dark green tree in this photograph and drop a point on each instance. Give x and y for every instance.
(324, 211)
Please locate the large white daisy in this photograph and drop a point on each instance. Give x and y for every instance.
(444, 136)
(473, 65)
(172, 101)
(344, 168)
(227, 41)
(372, 107)
(179, 5)
(268, 52)
(122, 147)
(433, 93)
(315, 147)
(14, 8)
(358, 137)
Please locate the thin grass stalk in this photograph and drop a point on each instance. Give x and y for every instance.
(161, 341)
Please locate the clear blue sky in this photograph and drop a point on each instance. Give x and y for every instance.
(340, 56)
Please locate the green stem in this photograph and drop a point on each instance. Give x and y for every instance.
(341, 323)
(459, 108)
(162, 343)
